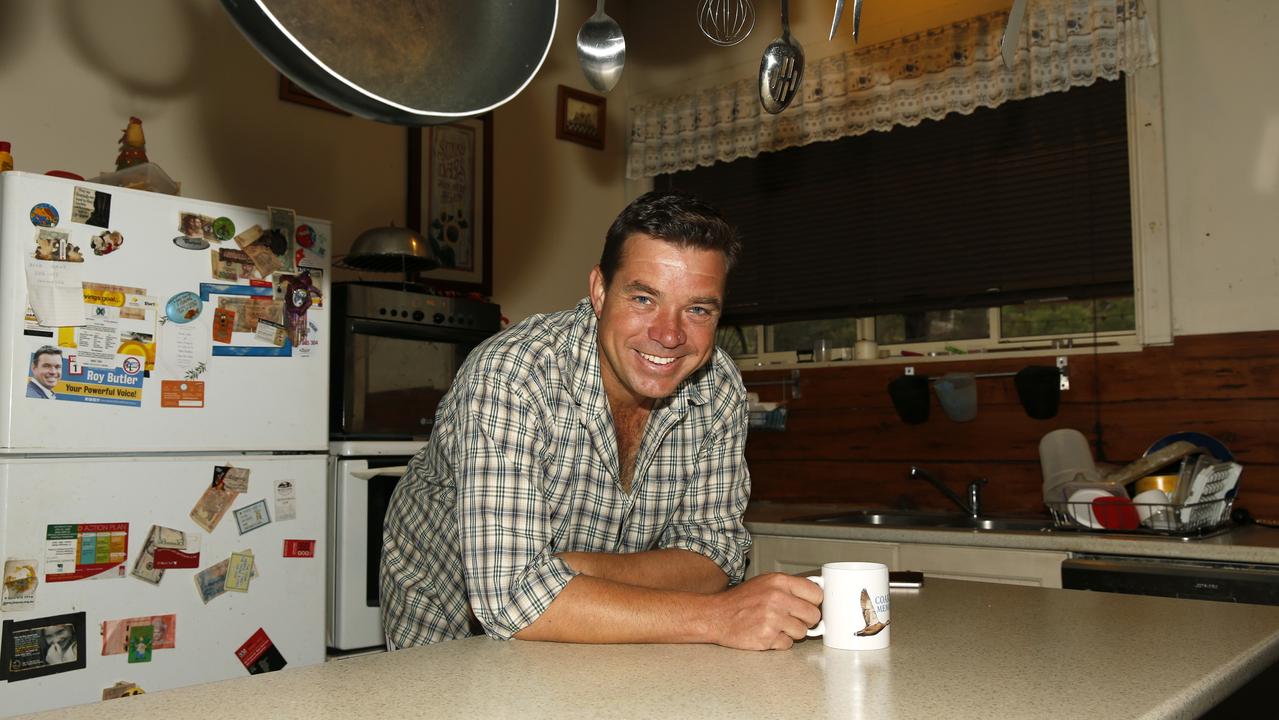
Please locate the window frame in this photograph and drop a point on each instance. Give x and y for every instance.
(1152, 283)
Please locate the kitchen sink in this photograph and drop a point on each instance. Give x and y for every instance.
(949, 521)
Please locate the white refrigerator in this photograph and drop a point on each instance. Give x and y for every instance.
(163, 440)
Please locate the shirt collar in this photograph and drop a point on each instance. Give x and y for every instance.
(48, 394)
(580, 364)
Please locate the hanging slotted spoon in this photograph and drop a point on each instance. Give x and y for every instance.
(601, 49)
(781, 70)
(726, 22)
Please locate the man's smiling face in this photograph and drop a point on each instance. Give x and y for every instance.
(657, 318)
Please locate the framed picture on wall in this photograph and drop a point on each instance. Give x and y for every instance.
(580, 116)
(292, 92)
(450, 190)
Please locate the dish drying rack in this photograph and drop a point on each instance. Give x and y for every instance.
(1201, 505)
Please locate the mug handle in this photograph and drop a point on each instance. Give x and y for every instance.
(820, 627)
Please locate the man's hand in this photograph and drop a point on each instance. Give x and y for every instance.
(768, 612)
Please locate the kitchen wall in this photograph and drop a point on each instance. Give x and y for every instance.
(71, 74)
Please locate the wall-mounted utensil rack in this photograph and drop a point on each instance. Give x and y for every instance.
(1063, 366)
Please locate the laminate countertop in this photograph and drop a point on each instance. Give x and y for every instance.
(1254, 544)
(959, 650)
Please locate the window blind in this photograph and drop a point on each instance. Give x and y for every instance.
(1025, 201)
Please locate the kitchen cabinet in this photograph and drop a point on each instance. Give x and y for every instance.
(1041, 568)
(793, 555)
(998, 565)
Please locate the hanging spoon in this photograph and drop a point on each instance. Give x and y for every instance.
(781, 70)
(601, 50)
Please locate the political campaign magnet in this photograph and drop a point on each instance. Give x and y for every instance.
(183, 307)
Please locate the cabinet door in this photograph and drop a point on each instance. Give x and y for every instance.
(793, 555)
(997, 565)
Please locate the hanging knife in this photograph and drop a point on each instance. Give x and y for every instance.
(834, 23)
(1012, 31)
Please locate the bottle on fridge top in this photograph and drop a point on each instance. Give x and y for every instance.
(6, 158)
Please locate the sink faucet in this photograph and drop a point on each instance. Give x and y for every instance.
(972, 508)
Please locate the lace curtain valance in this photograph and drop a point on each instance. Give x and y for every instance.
(956, 68)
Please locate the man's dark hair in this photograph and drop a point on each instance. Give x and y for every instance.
(44, 350)
(673, 216)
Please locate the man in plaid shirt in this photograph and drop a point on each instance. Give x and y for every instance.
(585, 480)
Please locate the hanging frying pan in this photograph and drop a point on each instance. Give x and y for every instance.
(405, 62)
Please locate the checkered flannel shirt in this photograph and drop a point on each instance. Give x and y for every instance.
(522, 465)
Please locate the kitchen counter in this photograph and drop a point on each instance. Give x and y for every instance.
(959, 650)
(1248, 544)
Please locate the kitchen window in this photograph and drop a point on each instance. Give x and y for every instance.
(1009, 228)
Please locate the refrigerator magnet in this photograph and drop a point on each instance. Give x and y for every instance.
(21, 578)
(190, 243)
(194, 225)
(183, 307)
(115, 633)
(141, 642)
(106, 242)
(270, 333)
(252, 517)
(239, 571)
(91, 207)
(122, 689)
(223, 322)
(231, 478)
(41, 646)
(182, 394)
(259, 654)
(184, 557)
(285, 500)
(44, 215)
(223, 229)
(299, 548)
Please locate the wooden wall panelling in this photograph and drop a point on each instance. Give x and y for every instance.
(844, 442)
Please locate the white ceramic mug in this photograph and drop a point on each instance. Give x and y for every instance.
(866, 350)
(855, 612)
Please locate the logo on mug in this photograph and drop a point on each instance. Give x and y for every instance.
(873, 625)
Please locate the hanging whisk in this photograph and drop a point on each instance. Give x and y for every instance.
(726, 22)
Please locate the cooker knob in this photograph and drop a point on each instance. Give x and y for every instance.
(439, 318)
(418, 315)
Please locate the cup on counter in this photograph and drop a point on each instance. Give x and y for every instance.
(855, 606)
(821, 350)
(866, 350)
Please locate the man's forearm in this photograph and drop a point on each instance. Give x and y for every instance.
(595, 610)
(767, 612)
(669, 569)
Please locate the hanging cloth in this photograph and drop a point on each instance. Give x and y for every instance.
(956, 68)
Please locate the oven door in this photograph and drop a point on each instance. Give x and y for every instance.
(389, 377)
(359, 493)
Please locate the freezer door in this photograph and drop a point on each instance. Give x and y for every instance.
(47, 510)
(170, 352)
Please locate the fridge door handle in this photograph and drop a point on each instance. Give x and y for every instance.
(378, 472)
